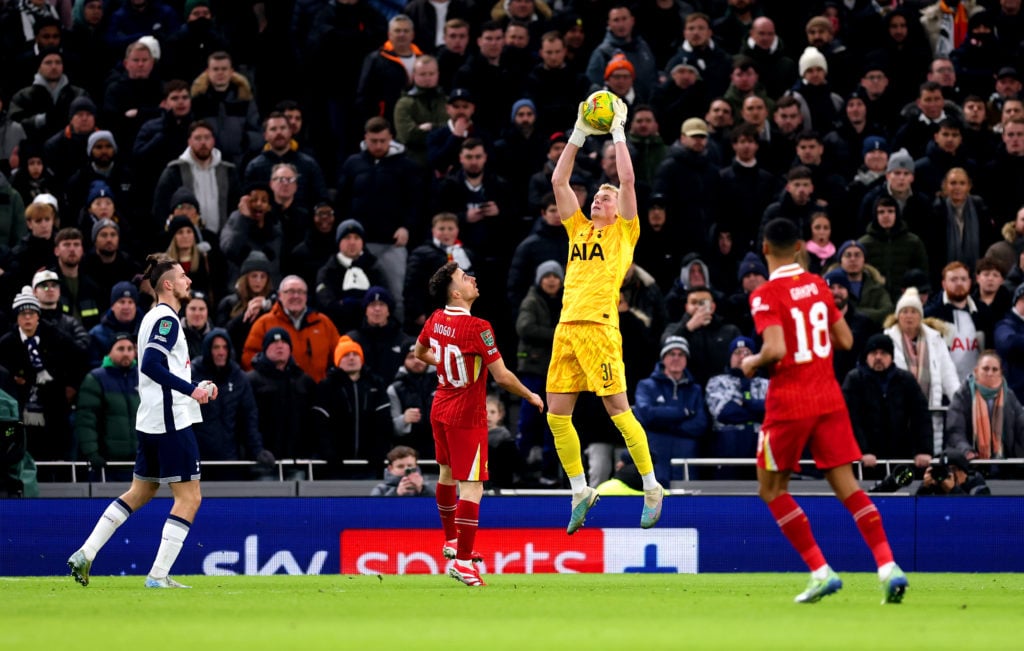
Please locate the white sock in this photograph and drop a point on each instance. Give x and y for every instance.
(649, 481)
(175, 531)
(113, 517)
(577, 484)
(821, 573)
(884, 570)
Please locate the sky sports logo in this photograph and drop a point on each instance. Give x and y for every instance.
(524, 551)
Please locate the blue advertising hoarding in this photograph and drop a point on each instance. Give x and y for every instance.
(518, 534)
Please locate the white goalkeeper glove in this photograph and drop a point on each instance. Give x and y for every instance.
(618, 129)
(581, 129)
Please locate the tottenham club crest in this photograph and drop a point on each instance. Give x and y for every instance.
(165, 327)
(488, 337)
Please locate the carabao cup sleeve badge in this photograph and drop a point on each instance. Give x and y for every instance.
(488, 337)
(164, 327)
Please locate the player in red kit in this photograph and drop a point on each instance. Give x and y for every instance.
(463, 349)
(799, 323)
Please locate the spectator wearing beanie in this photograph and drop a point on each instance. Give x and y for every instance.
(380, 336)
(536, 319)
(68, 150)
(919, 347)
(196, 256)
(106, 261)
(351, 414)
(253, 297)
(42, 108)
(342, 282)
(123, 315)
(670, 405)
(843, 361)
(867, 286)
(277, 380)
(46, 370)
(104, 165)
(736, 308)
(107, 404)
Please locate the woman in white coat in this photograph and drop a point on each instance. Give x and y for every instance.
(921, 349)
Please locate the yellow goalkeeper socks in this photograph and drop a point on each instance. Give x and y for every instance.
(567, 443)
(636, 440)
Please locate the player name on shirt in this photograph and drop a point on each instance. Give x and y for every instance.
(444, 330)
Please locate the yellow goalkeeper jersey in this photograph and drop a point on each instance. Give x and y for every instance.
(598, 260)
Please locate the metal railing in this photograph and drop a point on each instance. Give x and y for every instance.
(306, 464)
(885, 464)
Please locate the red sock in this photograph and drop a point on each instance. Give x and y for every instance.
(797, 529)
(869, 521)
(446, 499)
(467, 518)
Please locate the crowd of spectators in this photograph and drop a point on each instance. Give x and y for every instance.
(310, 162)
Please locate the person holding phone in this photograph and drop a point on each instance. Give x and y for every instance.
(402, 477)
(708, 333)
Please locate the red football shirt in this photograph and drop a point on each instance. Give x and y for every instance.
(802, 383)
(463, 346)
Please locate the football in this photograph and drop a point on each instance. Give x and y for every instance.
(598, 111)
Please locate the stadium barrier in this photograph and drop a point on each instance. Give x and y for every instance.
(366, 535)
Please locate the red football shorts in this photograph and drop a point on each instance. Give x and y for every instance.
(463, 449)
(830, 437)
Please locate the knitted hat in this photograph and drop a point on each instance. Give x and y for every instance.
(96, 136)
(694, 127)
(847, 244)
(812, 58)
(121, 336)
(276, 334)
(152, 45)
(1008, 71)
(47, 51)
(346, 227)
(751, 264)
(901, 160)
(185, 196)
(910, 299)
(44, 276)
(879, 341)
(874, 143)
(345, 346)
(97, 190)
(104, 223)
(25, 300)
(124, 289)
(520, 103)
(192, 4)
(619, 62)
(175, 224)
(81, 103)
(741, 342)
(838, 277)
(378, 293)
(916, 278)
(256, 261)
(548, 267)
(675, 343)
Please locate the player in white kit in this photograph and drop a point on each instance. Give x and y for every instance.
(168, 453)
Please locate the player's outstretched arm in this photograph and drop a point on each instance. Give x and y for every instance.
(623, 163)
(565, 198)
(508, 381)
(772, 350)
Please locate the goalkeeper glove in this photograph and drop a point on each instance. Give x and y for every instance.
(618, 129)
(581, 129)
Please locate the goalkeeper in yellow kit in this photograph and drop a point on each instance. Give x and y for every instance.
(587, 352)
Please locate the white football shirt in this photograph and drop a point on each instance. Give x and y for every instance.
(163, 409)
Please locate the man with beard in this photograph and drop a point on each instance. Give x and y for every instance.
(201, 169)
(888, 410)
(843, 361)
(106, 264)
(971, 322)
(80, 297)
(280, 148)
(103, 166)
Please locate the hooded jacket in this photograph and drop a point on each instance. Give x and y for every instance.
(893, 251)
(229, 430)
(285, 431)
(233, 115)
(671, 407)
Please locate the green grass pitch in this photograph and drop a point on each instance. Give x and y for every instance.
(521, 612)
